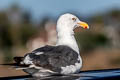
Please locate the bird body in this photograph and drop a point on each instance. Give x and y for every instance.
(63, 58)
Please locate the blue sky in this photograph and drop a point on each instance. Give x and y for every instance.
(56, 7)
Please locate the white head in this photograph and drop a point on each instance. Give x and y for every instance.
(65, 26)
(68, 22)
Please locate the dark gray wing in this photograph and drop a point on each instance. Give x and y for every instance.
(54, 57)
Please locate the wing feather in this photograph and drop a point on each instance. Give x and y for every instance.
(53, 57)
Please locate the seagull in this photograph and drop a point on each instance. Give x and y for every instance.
(63, 58)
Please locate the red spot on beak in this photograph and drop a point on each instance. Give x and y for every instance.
(85, 27)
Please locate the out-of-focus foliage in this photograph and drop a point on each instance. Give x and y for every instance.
(27, 31)
(17, 28)
(12, 34)
(98, 19)
(115, 14)
(15, 33)
(88, 41)
(5, 38)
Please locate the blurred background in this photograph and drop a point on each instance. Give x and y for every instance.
(28, 24)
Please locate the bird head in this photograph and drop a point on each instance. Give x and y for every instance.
(70, 21)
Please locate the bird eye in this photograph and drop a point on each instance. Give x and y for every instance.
(74, 19)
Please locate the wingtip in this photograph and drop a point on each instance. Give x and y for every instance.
(18, 59)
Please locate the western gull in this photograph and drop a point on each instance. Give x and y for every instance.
(63, 58)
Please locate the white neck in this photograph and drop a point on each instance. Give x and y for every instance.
(67, 38)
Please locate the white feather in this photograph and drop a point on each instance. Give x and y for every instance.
(27, 60)
(65, 35)
(39, 53)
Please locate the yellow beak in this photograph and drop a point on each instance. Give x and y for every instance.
(83, 25)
